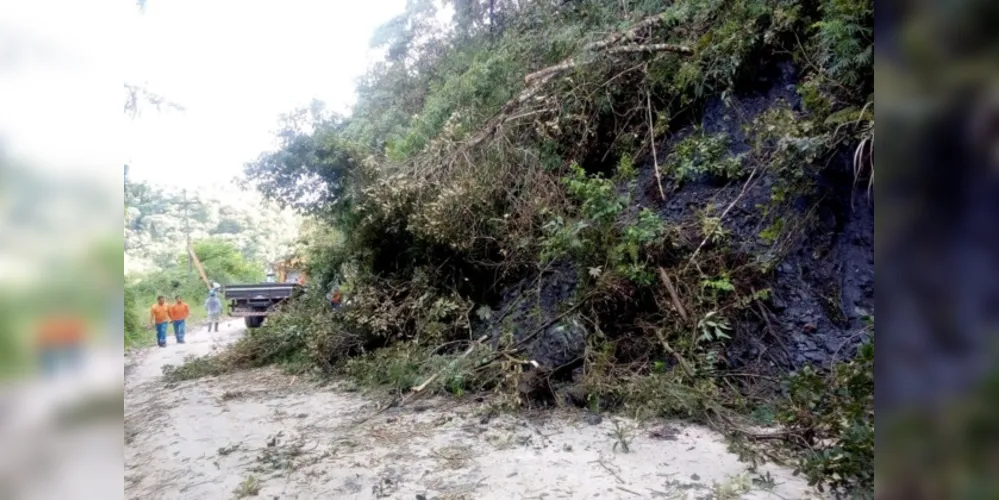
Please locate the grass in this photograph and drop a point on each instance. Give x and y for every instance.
(250, 487)
(622, 439)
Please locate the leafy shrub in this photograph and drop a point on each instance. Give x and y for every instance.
(598, 238)
(700, 155)
(833, 413)
(133, 326)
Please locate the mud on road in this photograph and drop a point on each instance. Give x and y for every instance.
(263, 433)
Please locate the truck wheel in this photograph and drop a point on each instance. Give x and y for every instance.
(253, 321)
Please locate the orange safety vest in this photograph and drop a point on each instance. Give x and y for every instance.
(60, 331)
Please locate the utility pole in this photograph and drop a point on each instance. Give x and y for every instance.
(187, 230)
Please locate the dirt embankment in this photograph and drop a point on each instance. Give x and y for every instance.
(267, 434)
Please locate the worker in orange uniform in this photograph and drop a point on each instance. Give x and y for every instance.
(60, 342)
(159, 316)
(179, 311)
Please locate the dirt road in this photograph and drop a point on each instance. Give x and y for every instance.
(262, 433)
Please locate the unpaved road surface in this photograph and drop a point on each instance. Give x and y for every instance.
(264, 433)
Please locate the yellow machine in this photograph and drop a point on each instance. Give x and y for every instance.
(290, 270)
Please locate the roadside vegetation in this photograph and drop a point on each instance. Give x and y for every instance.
(623, 206)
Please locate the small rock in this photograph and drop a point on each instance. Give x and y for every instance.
(302, 415)
(485, 419)
(567, 447)
(666, 432)
(695, 477)
(593, 419)
(391, 420)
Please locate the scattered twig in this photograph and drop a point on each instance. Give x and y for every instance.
(652, 143)
(651, 47)
(450, 365)
(745, 187)
(622, 488)
(608, 469)
(672, 293)
(679, 359)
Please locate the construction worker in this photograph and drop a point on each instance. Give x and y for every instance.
(213, 306)
(60, 342)
(159, 317)
(179, 312)
(335, 297)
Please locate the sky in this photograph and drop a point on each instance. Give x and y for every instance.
(235, 67)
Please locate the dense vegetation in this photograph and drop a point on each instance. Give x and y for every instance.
(639, 206)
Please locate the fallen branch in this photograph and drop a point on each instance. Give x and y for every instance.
(535, 81)
(518, 344)
(572, 62)
(651, 47)
(745, 187)
(673, 295)
(415, 391)
(600, 45)
(450, 365)
(652, 144)
(551, 322)
(679, 359)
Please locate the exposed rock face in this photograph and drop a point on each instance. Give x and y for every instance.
(821, 283)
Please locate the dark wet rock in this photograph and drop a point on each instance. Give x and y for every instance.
(822, 287)
(532, 305)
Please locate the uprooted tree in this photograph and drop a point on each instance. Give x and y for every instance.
(602, 203)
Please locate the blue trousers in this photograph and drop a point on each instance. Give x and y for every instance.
(179, 329)
(57, 359)
(161, 332)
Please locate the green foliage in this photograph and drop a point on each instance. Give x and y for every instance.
(834, 414)
(634, 238)
(719, 285)
(844, 40)
(626, 170)
(310, 170)
(599, 238)
(133, 321)
(699, 155)
(713, 327)
(597, 196)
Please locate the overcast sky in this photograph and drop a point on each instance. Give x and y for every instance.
(234, 65)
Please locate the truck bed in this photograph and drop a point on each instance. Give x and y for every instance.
(255, 302)
(260, 291)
